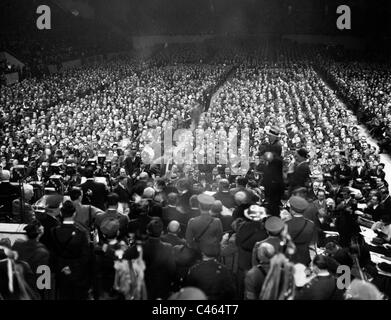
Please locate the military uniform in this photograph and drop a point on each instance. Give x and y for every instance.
(214, 279)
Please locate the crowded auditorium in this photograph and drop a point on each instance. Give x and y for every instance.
(194, 150)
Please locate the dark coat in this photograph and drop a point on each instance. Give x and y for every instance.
(320, 288)
(8, 193)
(124, 194)
(226, 199)
(247, 235)
(131, 165)
(160, 267)
(301, 176)
(32, 252)
(302, 232)
(99, 194)
(210, 230)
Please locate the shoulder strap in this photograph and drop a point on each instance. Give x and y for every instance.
(301, 230)
(198, 238)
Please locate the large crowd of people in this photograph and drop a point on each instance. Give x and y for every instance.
(112, 224)
(365, 86)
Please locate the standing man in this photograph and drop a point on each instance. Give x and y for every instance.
(72, 256)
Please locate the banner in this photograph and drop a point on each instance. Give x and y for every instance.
(11, 78)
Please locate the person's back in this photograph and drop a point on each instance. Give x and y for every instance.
(94, 193)
(248, 234)
(8, 193)
(112, 212)
(224, 195)
(301, 230)
(159, 260)
(172, 236)
(256, 276)
(205, 231)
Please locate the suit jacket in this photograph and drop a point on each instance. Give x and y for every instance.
(302, 232)
(99, 193)
(160, 267)
(320, 288)
(212, 233)
(273, 180)
(214, 279)
(301, 176)
(131, 165)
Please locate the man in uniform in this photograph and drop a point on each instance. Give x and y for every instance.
(205, 232)
(301, 230)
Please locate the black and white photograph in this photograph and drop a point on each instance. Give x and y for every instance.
(219, 151)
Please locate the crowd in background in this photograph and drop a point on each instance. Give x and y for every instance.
(113, 226)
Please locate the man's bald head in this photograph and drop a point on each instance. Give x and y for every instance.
(174, 227)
